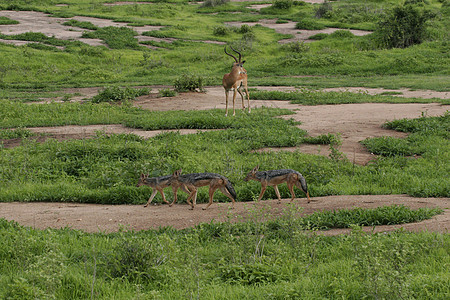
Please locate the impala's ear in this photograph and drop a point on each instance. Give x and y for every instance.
(243, 61)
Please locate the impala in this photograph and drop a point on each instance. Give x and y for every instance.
(235, 80)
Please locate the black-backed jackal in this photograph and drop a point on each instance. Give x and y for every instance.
(158, 184)
(276, 177)
(195, 180)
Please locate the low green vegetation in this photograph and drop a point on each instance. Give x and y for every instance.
(312, 97)
(105, 169)
(255, 259)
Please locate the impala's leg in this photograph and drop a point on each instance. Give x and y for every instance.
(248, 97)
(234, 100)
(242, 97)
(226, 102)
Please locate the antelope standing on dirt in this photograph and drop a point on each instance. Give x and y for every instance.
(235, 80)
(276, 177)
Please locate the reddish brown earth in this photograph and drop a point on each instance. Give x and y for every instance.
(110, 218)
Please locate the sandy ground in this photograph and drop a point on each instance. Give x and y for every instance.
(110, 218)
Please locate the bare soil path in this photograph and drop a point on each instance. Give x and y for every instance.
(110, 218)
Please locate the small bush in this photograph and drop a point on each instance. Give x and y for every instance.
(118, 94)
(309, 24)
(213, 3)
(7, 21)
(282, 4)
(220, 30)
(297, 47)
(167, 93)
(188, 82)
(324, 10)
(402, 27)
(85, 25)
(342, 34)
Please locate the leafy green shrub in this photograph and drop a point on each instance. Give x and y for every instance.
(389, 146)
(115, 37)
(118, 94)
(296, 47)
(188, 82)
(309, 24)
(386, 215)
(248, 274)
(282, 4)
(7, 21)
(319, 36)
(342, 34)
(220, 30)
(81, 24)
(15, 133)
(324, 10)
(167, 93)
(213, 3)
(403, 26)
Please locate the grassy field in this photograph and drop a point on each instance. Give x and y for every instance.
(283, 258)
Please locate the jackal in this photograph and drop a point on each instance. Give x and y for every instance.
(158, 184)
(276, 177)
(195, 180)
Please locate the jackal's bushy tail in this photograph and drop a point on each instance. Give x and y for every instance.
(302, 181)
(230, 188)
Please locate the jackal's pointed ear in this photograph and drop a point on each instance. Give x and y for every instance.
(255, 169)
(142, 175)
(177, 172)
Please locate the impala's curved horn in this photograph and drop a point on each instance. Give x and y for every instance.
(237, 53)
(225, 49)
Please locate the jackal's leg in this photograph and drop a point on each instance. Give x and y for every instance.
(263, 190)
(175, 192)
(297, 183)
(151, 197)
(291, 189)
(193, 196)
(277, 192)
(227, 193)
(212, 189)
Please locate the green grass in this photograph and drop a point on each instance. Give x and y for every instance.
(280, 260)
(311, 97)
(105, 169)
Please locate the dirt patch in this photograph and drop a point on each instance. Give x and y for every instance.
(110, 218)
(302, 35)
(33, 21)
